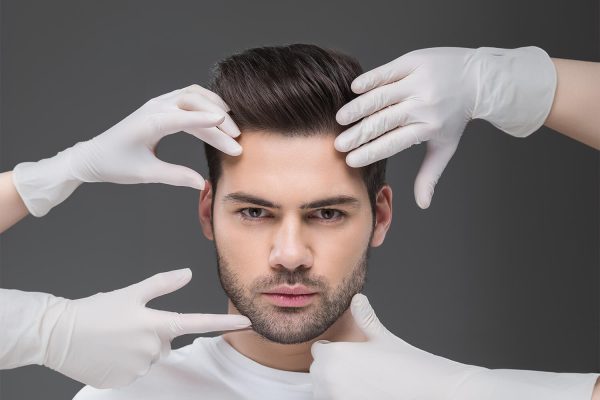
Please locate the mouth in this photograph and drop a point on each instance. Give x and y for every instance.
(288, 296)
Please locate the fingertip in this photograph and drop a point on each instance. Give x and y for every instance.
(340, 145)
(235, 133)
(242, 321)
(424, 193)
(194, 180)
(215, 118)
(237, 151)
(358, 86)
(420, 203)
(181, 275)
(359, 299)
(342, 117)
(353, 160)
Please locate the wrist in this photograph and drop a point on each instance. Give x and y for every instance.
(515, 88)
(54, 338)
(44, 184)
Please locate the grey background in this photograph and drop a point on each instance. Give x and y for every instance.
(501, 271)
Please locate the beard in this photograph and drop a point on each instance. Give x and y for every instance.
(290, 325)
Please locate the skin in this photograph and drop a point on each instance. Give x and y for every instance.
(575, 112)
(290, 172)
(10, 202)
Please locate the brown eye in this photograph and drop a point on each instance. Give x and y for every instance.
(252, 212)
(329, 214)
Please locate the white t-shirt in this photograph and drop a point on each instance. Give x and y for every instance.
(209, 368)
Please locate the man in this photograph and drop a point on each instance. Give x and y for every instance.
(292, 225)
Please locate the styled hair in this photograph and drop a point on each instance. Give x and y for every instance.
(293, 90)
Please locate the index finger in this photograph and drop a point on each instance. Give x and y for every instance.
(228, 126)
(384, 74)
(173, 324)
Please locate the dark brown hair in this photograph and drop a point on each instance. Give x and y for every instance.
(293, 90)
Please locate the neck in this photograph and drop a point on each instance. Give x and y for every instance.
(289, 357)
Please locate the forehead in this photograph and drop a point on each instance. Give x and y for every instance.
(278, 166)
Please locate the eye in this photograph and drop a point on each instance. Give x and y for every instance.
(329, 214)
(252, 213)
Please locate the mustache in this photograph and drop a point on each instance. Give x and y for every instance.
(290, 278)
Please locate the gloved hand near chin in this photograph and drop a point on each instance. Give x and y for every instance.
(430, 95)
(106, 340)
(386, 367)
(125, 152)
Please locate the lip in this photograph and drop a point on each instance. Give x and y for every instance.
(286, 296)
(289, 290)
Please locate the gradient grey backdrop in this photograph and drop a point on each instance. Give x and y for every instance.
(501, 271)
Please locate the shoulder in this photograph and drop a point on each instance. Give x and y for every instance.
(162, 377)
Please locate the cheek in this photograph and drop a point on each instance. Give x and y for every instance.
(338, 251)
(245, 250)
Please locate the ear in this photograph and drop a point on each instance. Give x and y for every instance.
(204, 210)
(383, 215)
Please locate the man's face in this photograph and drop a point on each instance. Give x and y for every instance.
(292, 224)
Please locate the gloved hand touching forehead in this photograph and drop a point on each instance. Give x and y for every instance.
(125, 153)
(430, 95)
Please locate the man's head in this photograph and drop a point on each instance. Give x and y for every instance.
(288, 212)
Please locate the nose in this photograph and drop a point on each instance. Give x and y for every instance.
(290, 249)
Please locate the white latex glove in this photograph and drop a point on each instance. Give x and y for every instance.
(386, 367)
(125, 152)
(106, 340)
(431, 94)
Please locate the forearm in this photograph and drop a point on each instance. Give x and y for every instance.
(576, 108)
(596, 392)
(12, 208)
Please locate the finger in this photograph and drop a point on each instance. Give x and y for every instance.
(384, 74)
(192, 101)
(172, 324)
(387, 145)
(161, 284)
(218, 139)
(436, 159)
(318, 348)
(168, 95)
(373, 101)
(212, 96)
(374, 125)
(365, 316)
(168, 123)
(175, 175)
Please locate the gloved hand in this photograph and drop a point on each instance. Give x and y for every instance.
(105, 340)
(431, 94)
(125, 152)
(386, 367)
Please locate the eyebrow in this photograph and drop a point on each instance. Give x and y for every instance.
(241, 197)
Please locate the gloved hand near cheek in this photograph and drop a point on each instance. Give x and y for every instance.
(430, 95)
(125, 153)
(386, 367)
(106, 340)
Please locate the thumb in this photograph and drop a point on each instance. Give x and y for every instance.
(365, 317)
(174, 324)
(161, 284)
(317, 348)
(176, 175)
(434, 164)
